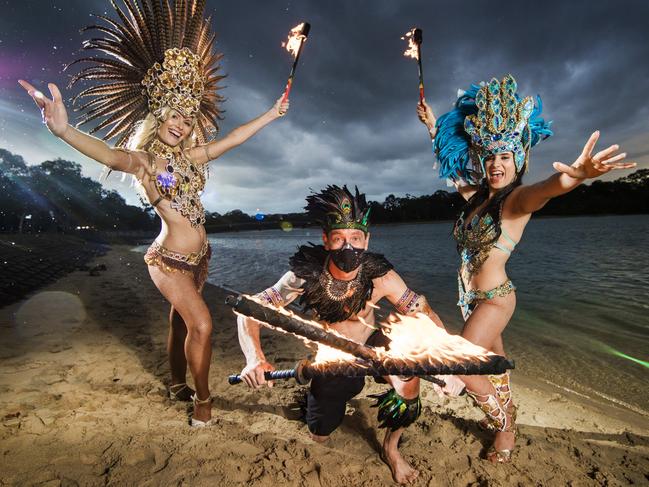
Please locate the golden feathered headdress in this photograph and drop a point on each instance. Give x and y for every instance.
(158, 54)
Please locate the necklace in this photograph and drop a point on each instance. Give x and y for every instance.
(162, 150)
(338, 290)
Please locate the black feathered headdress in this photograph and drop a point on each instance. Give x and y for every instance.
(336, 208)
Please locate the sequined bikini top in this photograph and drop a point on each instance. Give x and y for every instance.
(181, 183)
(474, 242)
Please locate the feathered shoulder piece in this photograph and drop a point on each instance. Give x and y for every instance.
(154, 54)
(309, 262)
(489, 118)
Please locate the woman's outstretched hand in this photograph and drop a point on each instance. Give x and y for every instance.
(281, 106)
(592, 166)
(53, 111)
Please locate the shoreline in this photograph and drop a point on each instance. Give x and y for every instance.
(83, 374)
(267, 227)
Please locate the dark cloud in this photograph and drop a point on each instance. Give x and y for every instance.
(352, 115)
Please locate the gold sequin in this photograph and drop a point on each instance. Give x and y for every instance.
(177, 83)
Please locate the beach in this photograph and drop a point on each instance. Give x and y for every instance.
(83, 374)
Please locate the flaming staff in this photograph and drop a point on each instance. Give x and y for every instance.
(294, 44)
(283, 320)
(431, 352)
(304, 371)
(414, 38)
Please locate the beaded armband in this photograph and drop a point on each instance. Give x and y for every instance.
(271, 296)
(407, 301)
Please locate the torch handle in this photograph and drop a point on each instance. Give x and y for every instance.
(269, 375)
(287, 90)
(421, 74)
(291, 75)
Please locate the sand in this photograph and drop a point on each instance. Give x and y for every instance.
(82, 402)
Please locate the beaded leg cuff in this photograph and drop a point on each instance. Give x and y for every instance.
(394, 411)
(495, 412)
(504, 391)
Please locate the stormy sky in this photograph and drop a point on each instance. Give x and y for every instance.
(352, 117)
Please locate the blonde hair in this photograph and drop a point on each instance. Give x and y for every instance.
(146, 130)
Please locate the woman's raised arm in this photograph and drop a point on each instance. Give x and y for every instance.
(56, 118)
(239, 135)
(528, 199)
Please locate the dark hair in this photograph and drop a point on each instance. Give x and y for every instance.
(495, 205)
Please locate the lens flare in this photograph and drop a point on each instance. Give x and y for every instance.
(617, 353)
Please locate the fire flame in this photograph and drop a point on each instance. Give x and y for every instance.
(295, 39)
(328, 354)
(412, 50)
(419, 339)
(415, 342)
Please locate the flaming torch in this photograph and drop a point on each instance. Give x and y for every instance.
(414, 51)
(418, 347)
(294, 45)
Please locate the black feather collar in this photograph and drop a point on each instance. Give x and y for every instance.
(308, 263)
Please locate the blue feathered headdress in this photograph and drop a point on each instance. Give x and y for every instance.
(487, 119)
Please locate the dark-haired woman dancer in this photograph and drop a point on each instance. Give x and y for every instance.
(483, 146)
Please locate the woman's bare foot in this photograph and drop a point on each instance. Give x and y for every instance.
(402, 471)
(203, 412)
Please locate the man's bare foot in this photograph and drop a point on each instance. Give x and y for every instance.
(402, 471)
(318, 438)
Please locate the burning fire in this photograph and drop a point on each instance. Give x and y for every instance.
(328, 354)
(295, 39)
(418, 339)
(412, 50)
(414, 340)
(417, 344)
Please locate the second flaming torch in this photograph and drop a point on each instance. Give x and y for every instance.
(294, 44)
(414, 38)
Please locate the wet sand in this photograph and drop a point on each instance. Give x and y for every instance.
(82, 402)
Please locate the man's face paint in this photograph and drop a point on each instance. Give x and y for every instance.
(347, 258)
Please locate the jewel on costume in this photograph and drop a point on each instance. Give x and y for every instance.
(167, 180)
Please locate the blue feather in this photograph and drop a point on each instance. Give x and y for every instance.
(540, 128)
(452, 143)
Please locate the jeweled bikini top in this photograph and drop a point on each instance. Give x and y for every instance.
(181, 183)
(474, 242)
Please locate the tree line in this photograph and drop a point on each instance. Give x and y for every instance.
(55, 197)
